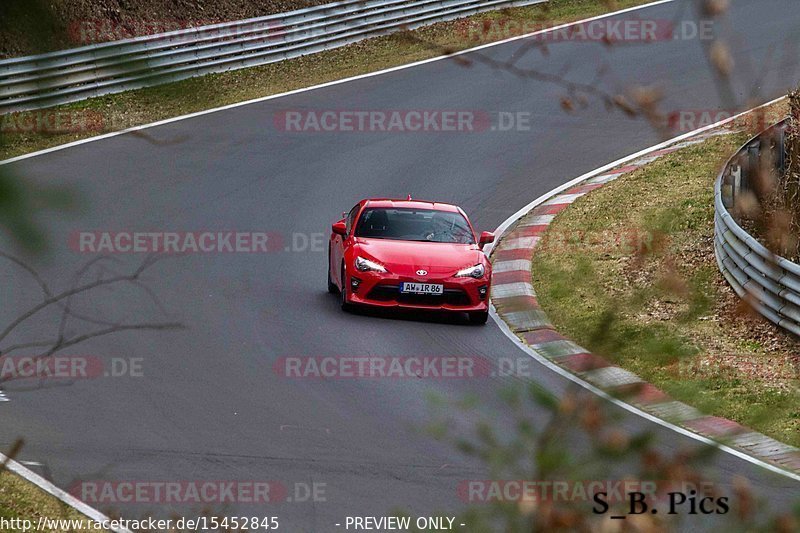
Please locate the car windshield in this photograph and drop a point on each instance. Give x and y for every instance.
(423, 225)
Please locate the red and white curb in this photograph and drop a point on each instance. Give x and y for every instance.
(514, 299)
(65, 497)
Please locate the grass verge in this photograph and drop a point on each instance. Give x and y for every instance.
(640, 286)
(132, 108)
(20, 499)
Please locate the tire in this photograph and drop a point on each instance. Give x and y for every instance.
(332, 288)
(345, 306)
(479, 318)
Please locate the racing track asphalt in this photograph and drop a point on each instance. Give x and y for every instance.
(210, 405)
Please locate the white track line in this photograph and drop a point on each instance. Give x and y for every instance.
(323, 85)
(51, 489)
(575, 379)
(58, 493)
(633, 409)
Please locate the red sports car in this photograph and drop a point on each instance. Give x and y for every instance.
(410, 254)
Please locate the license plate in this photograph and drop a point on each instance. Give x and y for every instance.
(421, 288)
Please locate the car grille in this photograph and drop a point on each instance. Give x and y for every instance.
(391, 293)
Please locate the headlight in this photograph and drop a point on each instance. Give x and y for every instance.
(476, 272)
(365, 265)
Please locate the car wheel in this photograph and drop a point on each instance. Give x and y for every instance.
(345, 306)
(479, 317)
(332, 288)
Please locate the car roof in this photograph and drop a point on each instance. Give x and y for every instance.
(410, 204)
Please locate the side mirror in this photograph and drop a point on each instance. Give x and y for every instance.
(339, 228)
(486, 238)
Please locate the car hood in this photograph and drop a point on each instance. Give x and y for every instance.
(406, 257)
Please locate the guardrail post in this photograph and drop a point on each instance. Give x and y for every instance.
(732, 183)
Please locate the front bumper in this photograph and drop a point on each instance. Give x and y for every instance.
(383, 290)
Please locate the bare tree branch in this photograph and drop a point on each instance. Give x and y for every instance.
(52, 299)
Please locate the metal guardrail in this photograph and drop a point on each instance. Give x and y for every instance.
(70, 75)
(769, 282)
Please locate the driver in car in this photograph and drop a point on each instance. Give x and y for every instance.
(443, 228)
